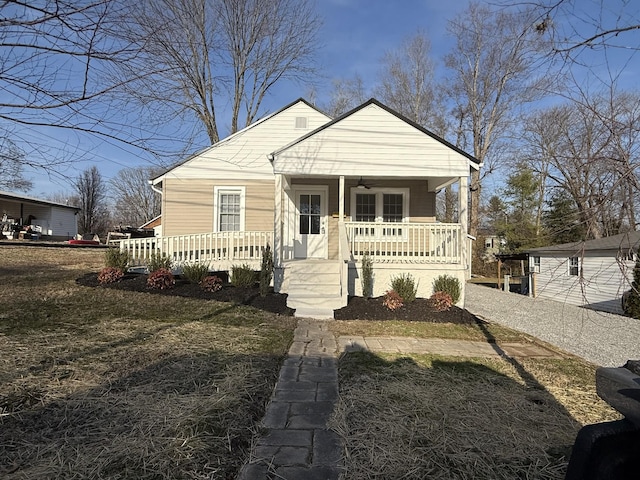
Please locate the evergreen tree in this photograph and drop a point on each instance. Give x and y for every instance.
(561, 220)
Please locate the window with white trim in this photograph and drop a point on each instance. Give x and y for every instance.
(535, 264)
(574, 266)
(389, 205)
(229, 209)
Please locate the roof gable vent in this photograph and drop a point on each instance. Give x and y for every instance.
(301, 122)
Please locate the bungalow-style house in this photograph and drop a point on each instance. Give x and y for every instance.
(28, 217)
(322, 194)
(594, 273)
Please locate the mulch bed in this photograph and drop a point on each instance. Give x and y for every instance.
(419, 310)
(358, 308)
(273, 302)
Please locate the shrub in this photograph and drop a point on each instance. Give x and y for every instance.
(266, 271)
(367, 276)
(392, 300)
(631, 298)
(110, 275)
(211, 283)
(441, 301)
(159, 260)
(114, 258)
(448, 284)
(195, 272)
(405, 286)
(243, 276)
(161, 279)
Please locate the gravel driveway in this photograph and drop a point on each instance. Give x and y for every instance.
(602, 338)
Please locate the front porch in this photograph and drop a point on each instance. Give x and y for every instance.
(320, 285)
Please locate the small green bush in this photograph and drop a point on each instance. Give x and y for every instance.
(266, 271)
(405, 286)
(159, 260)
(161, 279)
(110, 275)
(195, 272)
(366, 276)
(392, 300)
(114, 258)
(243, 276)
(448, 284)
(211, 283)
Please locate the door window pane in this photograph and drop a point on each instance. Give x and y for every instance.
(310, 210)
(315, 224)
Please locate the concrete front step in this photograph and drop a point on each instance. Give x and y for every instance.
(314, 267)
(314, 289)
(315, 313)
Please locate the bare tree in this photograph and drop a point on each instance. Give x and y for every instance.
(11, 167)
(57, 58)
(135, 202)
(576, 29)
(94, 214)
(493, 75)
(407, 83)
(346, 94)
(589, 150)
(198, 53)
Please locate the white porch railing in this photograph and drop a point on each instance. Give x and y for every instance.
(406, 242)
(200, 247)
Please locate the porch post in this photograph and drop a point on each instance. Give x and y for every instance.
(341, 200)
(463, 219)
(277, 222)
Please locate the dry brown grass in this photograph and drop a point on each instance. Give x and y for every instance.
(421, 416)
(101, 383)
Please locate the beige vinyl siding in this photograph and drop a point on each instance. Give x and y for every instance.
(603, 281)
(188, 205)
(422, 203)
(375, 140)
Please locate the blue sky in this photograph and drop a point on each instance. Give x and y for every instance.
(354, 36)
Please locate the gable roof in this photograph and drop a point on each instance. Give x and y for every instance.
(231, 137)
(615, 243)
(373, 101)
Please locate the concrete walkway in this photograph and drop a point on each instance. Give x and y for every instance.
(440, 346)
(297, 444)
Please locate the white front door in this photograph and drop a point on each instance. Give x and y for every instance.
(311, 240)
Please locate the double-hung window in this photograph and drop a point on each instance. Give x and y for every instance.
(535, 264)
(574, 266)
(229, 209)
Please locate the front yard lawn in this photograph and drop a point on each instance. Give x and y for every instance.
(415, 416)
(104, 383)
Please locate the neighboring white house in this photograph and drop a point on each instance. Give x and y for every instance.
(594, 274)
(51, 220)
(321, 193)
